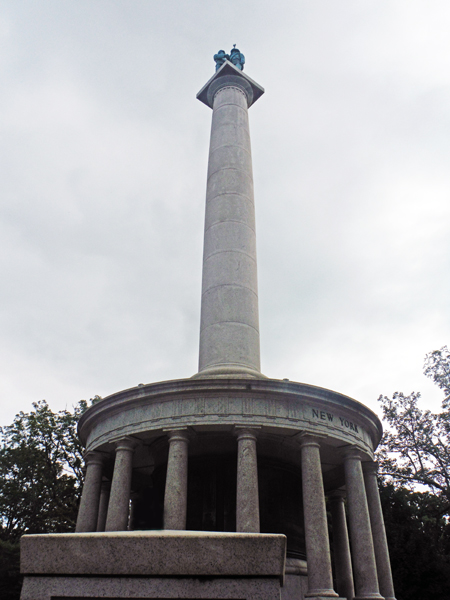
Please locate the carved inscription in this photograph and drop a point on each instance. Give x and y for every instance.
(348, 424)
(324, 415)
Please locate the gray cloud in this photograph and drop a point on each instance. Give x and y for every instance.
(103, 153)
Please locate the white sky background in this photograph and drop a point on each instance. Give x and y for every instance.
(103, 158)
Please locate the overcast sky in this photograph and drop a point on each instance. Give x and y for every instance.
(103, 158)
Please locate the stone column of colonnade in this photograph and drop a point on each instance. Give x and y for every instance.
(247, 495)
(320, 579)
(378, 531)
(229, 328)
(119, 499)
(175, 496)
(103, 505)
(341, 546)
(364, 565)
(247, 498)
(90, 497)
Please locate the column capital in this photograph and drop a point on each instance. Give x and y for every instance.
(179, 434)
(228, 75)
(246, 433)
(353, 452)
(337, 496)
(370, 467)
(93, 457)
(307, 439)
(127, 443)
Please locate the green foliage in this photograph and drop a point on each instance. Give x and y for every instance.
(414, 455)
(40, 472)
(437, 368)
(10, 579)
(415, 449)
(419, 543)
(40, 482)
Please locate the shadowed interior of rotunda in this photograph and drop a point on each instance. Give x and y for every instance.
(211, 490)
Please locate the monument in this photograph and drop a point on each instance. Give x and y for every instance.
(216, 486)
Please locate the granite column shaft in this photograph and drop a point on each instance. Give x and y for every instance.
(341, 547)
(378, 531)
(247, 495)
(175, 497)
(320, 579)
(88, 511)
(103, 505)
(229, 328)
(119, 499)
(365, 570)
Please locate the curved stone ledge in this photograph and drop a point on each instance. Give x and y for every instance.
(202, 403)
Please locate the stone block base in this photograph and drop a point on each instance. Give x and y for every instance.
(153, 564)
(75, 588)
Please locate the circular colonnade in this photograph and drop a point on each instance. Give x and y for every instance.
(245, 455)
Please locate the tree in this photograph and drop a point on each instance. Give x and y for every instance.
(419, 543)
(414, 482)
(40, 472)
(40, 482)
(10, 579)
(415, 449)
(437, 368)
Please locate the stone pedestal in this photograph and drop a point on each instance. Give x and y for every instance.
(154, 565)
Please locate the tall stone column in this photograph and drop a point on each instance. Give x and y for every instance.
(320, 579)
(378, 531)
(341, 546)
(247, 496)
(119, 499)
(88, 511)
(365, 570)
(229, 328)
(175, 497)
(103, 505)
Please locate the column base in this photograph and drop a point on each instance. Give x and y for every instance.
(317, 594)
(336, 597)
(227, 371)
(370, 597)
